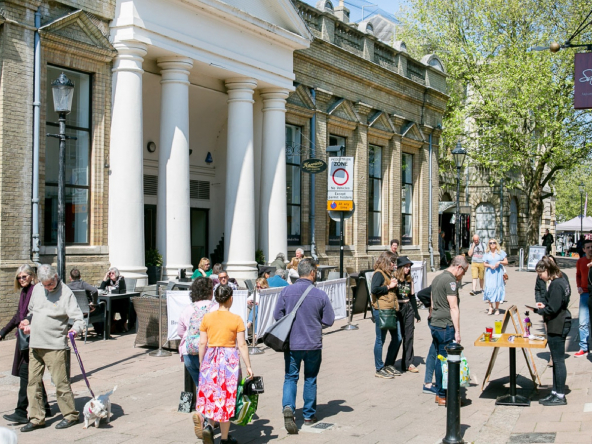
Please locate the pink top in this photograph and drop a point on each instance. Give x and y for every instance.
(185, 318)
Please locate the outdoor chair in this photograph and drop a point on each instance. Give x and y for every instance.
(130, 285)
(89, 317)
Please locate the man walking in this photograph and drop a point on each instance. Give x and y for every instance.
(548, 241)
(476, 252)
(52, 305)
(445, 323)
(582, 283)
(306, 342)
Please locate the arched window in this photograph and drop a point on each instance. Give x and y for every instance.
(325, 5)
(485, 226)
(436, 64)
(513, 223)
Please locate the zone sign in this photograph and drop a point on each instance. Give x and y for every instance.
(340, 183)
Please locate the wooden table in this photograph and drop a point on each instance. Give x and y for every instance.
(108, 298)
(519, 342)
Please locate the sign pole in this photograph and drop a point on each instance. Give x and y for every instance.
(341, 246)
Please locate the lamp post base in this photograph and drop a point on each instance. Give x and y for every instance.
(160, 353)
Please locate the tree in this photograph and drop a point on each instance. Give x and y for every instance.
(568, 194)
(512, 108)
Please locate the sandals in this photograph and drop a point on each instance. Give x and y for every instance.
(496, 312)
(490, 312)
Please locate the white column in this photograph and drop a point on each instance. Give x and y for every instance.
(239, 223)
(273, 227)
(173, 231)
(126, 188)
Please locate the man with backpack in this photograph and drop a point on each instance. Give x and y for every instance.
(305, 341)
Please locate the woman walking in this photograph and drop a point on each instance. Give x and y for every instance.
(407, 312)
(24, 281)
(221, 332)
(495, 288)
(384, 297)
(557, 320)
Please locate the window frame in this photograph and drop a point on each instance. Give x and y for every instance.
(377, 240)
(406, 240)
(289, 205)
(89, 130)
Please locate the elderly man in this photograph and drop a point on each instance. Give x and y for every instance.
(224, 280)
(279, 279)
(279, 262)
(52, 305)
(293, 265)
(477, 251)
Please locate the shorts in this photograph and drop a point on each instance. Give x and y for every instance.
(478, 270)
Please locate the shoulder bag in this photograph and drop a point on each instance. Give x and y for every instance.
(23, 340)
(277, 337)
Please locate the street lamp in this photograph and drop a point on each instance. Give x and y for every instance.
(63, 92)
(459, 155)
(581, 187)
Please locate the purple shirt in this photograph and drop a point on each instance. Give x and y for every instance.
(315, 311)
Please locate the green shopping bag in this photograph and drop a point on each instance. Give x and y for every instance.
(245, 407)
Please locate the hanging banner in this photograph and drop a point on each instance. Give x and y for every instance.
(583, 81)
(268, 298)
(336, 290)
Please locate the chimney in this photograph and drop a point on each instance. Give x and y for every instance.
(342, 12)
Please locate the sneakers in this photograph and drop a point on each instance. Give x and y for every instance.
(290, 421)
(581, 353)
(15, 418)
(310, 421)
(547, 398)
(229, 440)
(392, 370)
(473, 293)
(412, 369)
(429, 390)
(207, 434)
(197, 426)
(383, 373)
(554, 400)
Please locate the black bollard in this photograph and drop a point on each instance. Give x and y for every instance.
(453, 395)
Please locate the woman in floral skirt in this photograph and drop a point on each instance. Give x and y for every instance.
(221, 333)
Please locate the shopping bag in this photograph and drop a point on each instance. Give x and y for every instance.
(465, 375)
(245, 407)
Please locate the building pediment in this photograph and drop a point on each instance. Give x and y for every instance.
(77, 31)
(411, 131)
(301, 97)
(344, 109)
(379, 120)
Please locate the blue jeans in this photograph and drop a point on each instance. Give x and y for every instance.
(312, 363)
(441, 337)
(584, 321)
(192, 366)
(431, 362)
(393, 347)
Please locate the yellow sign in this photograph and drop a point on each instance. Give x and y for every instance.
(340, 205)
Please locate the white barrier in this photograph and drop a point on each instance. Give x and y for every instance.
(268, 298)
(336, 290)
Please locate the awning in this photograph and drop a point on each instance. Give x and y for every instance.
(450, 207)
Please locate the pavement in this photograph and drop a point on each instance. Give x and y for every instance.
(355, 406)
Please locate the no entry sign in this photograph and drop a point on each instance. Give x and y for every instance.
(340, 183)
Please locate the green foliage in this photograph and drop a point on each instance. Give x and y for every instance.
(153, 258)
(511, 108)
(567, 203)
(260, 257)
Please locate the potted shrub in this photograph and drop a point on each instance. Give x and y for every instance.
(153, 265)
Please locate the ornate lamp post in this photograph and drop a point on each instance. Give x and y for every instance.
(459, 155)
(581, 187)
(63, 92)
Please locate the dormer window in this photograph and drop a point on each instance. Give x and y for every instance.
(325, 5)
(370, 29)
(436, 64)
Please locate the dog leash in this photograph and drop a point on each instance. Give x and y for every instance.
(71, 335)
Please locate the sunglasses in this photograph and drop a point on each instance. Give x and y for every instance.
(492, 243)
(23, 277)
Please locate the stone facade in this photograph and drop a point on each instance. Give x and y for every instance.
(367, 92)
(73, 35)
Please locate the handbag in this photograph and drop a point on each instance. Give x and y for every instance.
(277, 336)
(506, 277)
(23, 340)
(387, 319)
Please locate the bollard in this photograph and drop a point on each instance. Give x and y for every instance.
(521, 260)
(453, 395)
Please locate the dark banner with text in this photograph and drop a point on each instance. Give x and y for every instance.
(583, 81)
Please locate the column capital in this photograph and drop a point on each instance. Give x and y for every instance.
(241, 89)
(274, 99)
(174, 69)
(130, 56)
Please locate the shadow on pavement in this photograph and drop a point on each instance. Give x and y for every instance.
(497, 387)
(89, 373)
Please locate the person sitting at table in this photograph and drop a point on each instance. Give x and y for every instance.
(278, 279)
(557, 320)
(115, 283)
(203, 268)
(279, 262)
(253, 302)
(76, 283)
(293, 265)
(223, 279)
(217, 268)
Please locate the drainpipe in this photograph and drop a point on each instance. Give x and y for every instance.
(430, 239)
(36, 105)
(313, 138)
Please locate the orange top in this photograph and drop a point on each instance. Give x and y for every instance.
(222, 328)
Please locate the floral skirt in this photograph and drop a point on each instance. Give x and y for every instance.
(218, 380)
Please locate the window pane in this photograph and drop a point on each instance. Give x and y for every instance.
(375, 198)
(294, 225)
(407, 199)
(334, 141)
(77, 152)
(76, 213)
(80, 114)
(407, 168)
(334, 232)
(293, 184)
(375, 161)
(374, 229)
(293, 144)
(407, 238)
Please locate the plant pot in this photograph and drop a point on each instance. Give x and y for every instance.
(153, 273)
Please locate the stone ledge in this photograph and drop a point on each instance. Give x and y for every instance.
(76, 250)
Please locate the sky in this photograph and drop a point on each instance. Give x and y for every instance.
(355, 7)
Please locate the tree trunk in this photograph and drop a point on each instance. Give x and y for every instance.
(535, 212)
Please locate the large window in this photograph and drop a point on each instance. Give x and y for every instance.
(293, 182)
(334, 226)
(374, 195)
(407, 199)
(77, 161)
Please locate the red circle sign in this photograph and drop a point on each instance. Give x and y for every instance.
(346, 177)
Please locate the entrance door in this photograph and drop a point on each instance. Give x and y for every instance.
(199, 235)
(150, 227)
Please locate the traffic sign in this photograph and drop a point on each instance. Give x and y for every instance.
(340, 183)
(340, 205)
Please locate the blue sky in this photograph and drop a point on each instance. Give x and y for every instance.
(355, 6)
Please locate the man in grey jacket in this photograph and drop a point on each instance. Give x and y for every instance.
(52, 305)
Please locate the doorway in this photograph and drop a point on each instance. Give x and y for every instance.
(199, 235)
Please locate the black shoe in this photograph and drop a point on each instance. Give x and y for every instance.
(65, 423)
(207, 434)
(48, 412)
(229, 440)
(31, 426)
(15, 418)
(382, 373)
(289, 421)
(310, 421)
(392, 370)
(547, 398)
(556, 400)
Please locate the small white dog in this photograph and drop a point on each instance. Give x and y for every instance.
(97, 409)
(7, 436)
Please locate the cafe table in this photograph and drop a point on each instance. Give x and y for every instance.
(108, 298)
(518, 342)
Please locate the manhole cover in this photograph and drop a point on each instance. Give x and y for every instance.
(526, 438)
(322, 425)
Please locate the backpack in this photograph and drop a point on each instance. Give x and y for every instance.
(192, 340)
